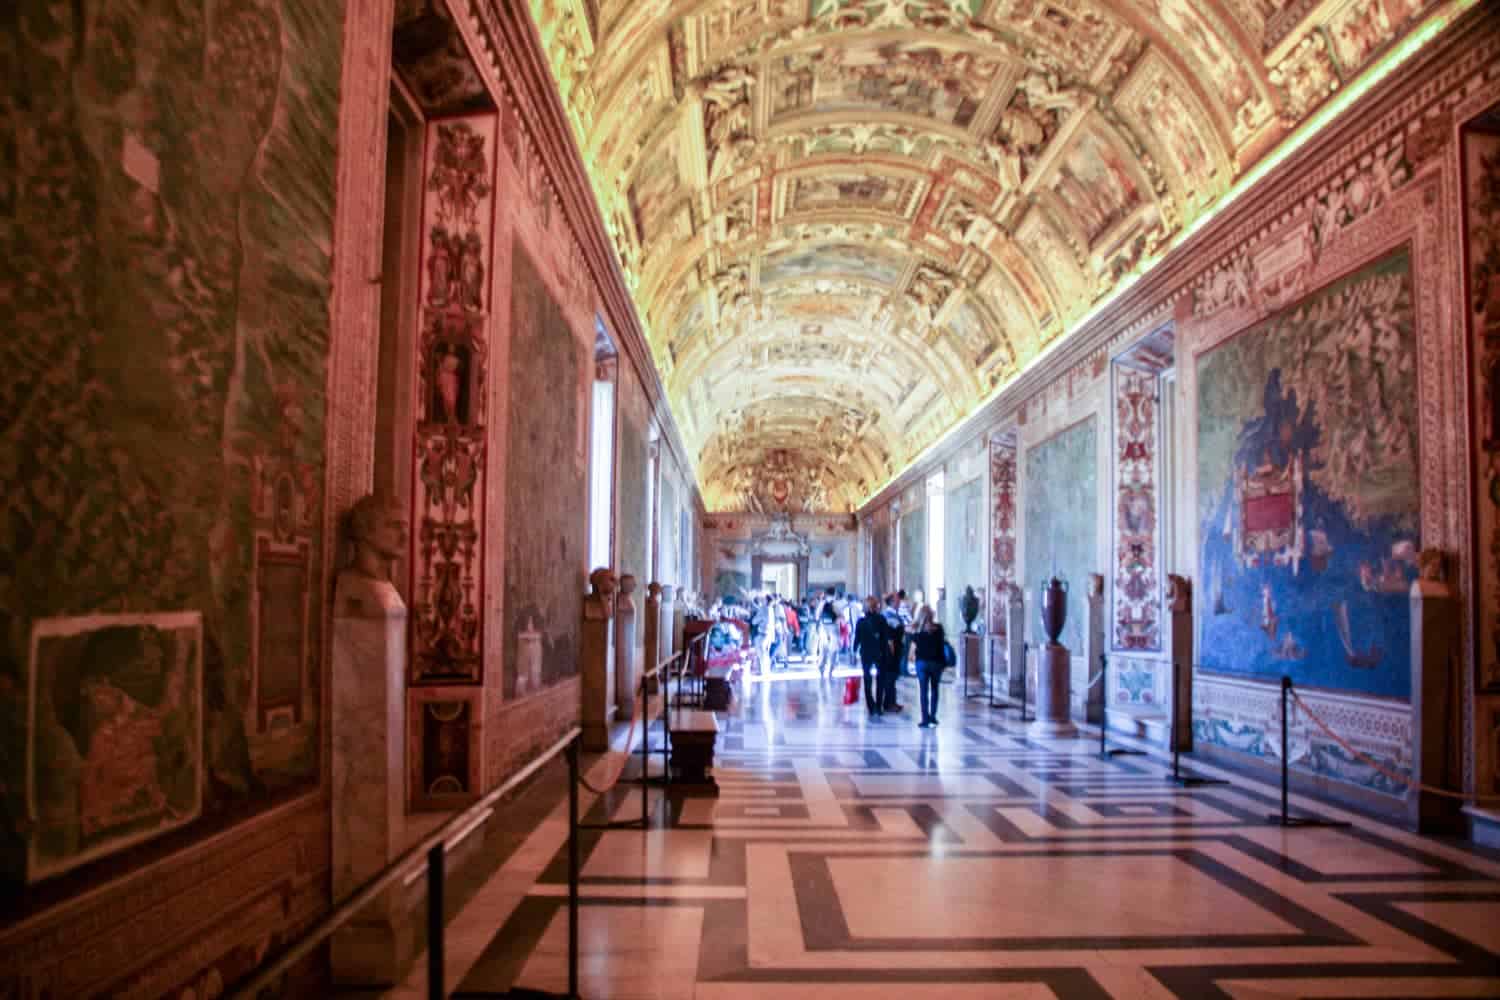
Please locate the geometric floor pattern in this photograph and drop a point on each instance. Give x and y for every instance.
(847, 859)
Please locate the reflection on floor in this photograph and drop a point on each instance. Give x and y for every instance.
(853, 859)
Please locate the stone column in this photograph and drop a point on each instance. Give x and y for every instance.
(367, 716)
(1091, 697)
(594, 654)
(627, 649)
(1015, 645)
(1435, 697)
(1179, 636)
(652, 630)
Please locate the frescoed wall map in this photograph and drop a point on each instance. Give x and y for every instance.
(1061, 497)
(1307, 489)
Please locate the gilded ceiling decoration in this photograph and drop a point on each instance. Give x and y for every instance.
(847, 222)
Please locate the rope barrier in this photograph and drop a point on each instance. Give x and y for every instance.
(635, 716)
(1097, 678)
(662, 670)
(1375, 765)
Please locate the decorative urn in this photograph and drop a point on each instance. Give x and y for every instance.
(1054, 608)
(968, 606)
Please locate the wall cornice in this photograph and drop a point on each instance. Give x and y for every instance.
(514, 48)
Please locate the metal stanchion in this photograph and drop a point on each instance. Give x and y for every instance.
(1185, 780)
(573, 777)
(435, 989)
(1283, 818)
(1106, 752)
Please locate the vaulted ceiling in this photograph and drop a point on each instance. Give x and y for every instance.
(847, 222)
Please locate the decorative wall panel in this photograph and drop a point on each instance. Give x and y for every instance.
(1002, 528)
(1307, 489)
(546, 481)
(445, 732)
(449, 467)
(1060, 500)
(1137, 574)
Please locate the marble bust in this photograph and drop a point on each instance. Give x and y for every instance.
(377, 532)
(600, 602)
(377, 536)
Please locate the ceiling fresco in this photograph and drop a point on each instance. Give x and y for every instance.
(847, 222)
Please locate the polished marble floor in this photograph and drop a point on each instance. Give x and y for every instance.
(849, 859)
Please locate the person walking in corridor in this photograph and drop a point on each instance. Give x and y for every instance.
(872, 640)
(927, 638)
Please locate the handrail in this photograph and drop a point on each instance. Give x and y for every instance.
(346, 911)
(675, 656)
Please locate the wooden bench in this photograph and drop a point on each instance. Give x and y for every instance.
(717, 688)
(694, 734)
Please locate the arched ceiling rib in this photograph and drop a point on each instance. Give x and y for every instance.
(845, 222)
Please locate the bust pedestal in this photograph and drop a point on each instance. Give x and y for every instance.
(1436, 691)
(594, 657)
(369, 751)
(651, 634)
(1015, 646)
(1053, 669)
(627, 648)
(1092, 695)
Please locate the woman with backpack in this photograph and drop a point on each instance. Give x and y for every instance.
(931, 646)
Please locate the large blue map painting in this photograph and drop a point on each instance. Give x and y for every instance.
(1307, 489)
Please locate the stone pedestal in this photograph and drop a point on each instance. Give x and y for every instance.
(679, 619)
(1436, 693)
(1015, 645)
(1092, 695)
(668, 607)
(651, 632)
(627, 648)
(369, 756)
(595, 648)
(971, 658)
(1053, 667)
(1179, 643)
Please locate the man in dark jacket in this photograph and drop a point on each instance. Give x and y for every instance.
(872, 638)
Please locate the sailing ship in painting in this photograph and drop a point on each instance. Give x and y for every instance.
(1363, 659)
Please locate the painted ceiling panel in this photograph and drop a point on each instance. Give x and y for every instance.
(848, 222)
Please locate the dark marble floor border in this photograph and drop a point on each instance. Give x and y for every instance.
(824, 927)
